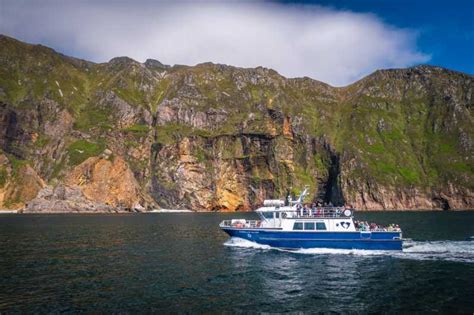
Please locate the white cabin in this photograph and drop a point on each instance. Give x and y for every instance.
(291, 218)
(294, 217)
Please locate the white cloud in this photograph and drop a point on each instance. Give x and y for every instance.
(333, 46)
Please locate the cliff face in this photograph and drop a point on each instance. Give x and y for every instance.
(214, 137)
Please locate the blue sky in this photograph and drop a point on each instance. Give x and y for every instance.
(446, 28)
(337, 42)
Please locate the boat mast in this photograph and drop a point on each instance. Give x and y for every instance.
(301, 197)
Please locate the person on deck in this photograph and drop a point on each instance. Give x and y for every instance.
(306, 209)
(298, 209)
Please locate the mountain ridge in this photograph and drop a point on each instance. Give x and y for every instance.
(154, 61)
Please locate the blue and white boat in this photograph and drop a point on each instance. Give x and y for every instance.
(293, 226)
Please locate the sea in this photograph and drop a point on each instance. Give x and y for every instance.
(182, 263)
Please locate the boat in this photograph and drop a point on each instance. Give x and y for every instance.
(291, 225)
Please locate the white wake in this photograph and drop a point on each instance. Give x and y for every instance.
(240, 242)
(460, 251)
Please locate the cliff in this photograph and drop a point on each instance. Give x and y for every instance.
(134, 136)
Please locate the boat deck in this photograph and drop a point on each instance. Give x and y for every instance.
(257, 224)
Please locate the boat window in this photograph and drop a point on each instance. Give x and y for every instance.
(298, 226)
(320, 226)
(277, 215)
(268, 215)
(309, 225)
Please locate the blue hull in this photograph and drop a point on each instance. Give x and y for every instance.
(339, 240)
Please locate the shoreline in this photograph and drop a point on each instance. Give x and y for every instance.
(169, 211)
(9, 211)
(173, 211)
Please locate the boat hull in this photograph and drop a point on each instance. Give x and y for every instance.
(339, 240)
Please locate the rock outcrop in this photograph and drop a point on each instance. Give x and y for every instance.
(109, 181)
(65, 199)
(19, 183)
(131, 136)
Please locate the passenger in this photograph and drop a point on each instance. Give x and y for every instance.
(288, 198)
(365, 226)
(373, 226)
(306, 210)
(298, 208)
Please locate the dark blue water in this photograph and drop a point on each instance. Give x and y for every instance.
(171, 263)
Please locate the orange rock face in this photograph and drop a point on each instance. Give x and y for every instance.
(108, 181)
(287, 130)
(231, 192)
(19, 184)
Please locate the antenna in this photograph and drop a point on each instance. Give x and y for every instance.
(303, 194)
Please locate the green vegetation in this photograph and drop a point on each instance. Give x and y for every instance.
(322, 166)
(172, 133)
(3, 176)
(200, 154)
(131, 144)
(137, 130)
(89, 118)
(410, 176)
(302, 178)
(42, 141)
(16, 164)
(81, 150)
(58, 167)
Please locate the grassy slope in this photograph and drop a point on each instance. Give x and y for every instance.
(413, 138)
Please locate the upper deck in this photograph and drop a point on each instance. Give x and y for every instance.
(295, 212)
(294, 216)
(289, 218)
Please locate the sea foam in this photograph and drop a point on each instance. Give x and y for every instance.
(459, 251)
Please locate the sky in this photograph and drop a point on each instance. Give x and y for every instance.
(337, 42)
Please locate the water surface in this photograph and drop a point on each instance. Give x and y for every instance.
(184, 263)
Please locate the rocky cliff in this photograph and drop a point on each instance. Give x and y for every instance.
(80, 136)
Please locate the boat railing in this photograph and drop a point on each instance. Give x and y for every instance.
(322, 212)
(364, 226)
(379, 229)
